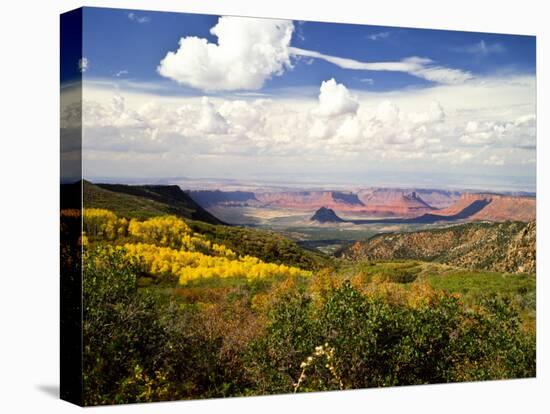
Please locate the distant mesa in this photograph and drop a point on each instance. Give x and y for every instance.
(369, 202)
(384, 202)
(326, 215)
(307, 200)
(380, 205)
(498, 207)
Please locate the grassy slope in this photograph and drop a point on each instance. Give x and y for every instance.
(123, 205)
(141, 202)
(472, 285)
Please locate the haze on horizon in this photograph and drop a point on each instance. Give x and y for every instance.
(180, 95)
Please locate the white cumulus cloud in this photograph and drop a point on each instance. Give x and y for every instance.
(520, 132)
(248, 52)
(434, 113)
(387, 113)
(474, 126)
(211, 121)
(335, 99)
(350, 131)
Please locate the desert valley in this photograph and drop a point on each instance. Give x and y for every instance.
(328, 219)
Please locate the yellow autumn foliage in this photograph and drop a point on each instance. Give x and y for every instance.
(164, 230)
(167, 245)
(188, 266)
(170, 231)
(103, 224)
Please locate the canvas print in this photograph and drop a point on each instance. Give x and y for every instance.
(256, 206)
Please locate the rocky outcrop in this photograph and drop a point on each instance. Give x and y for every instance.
(326, 215)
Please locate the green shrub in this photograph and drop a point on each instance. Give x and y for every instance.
(274, 360)
(122, 329)
(380, 343)
(140, 346)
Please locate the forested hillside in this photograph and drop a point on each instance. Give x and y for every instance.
(502, 247)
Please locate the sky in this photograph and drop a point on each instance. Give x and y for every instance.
(200, 96)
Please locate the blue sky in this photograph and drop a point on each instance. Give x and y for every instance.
(172, 94)
(114, 43)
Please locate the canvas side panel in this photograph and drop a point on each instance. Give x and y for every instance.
(71, 382)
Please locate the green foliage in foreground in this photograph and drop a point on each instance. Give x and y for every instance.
(379, 343)
(143, 346)
(122, 330)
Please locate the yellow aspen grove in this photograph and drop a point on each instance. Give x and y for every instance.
(188, 266)
(103, 224)
(164, 230)
(167, 245)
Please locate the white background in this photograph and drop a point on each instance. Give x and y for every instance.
(29, 145)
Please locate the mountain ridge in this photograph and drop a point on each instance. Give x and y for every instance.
(143, 201)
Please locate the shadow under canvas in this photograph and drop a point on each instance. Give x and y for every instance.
(49, 389)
